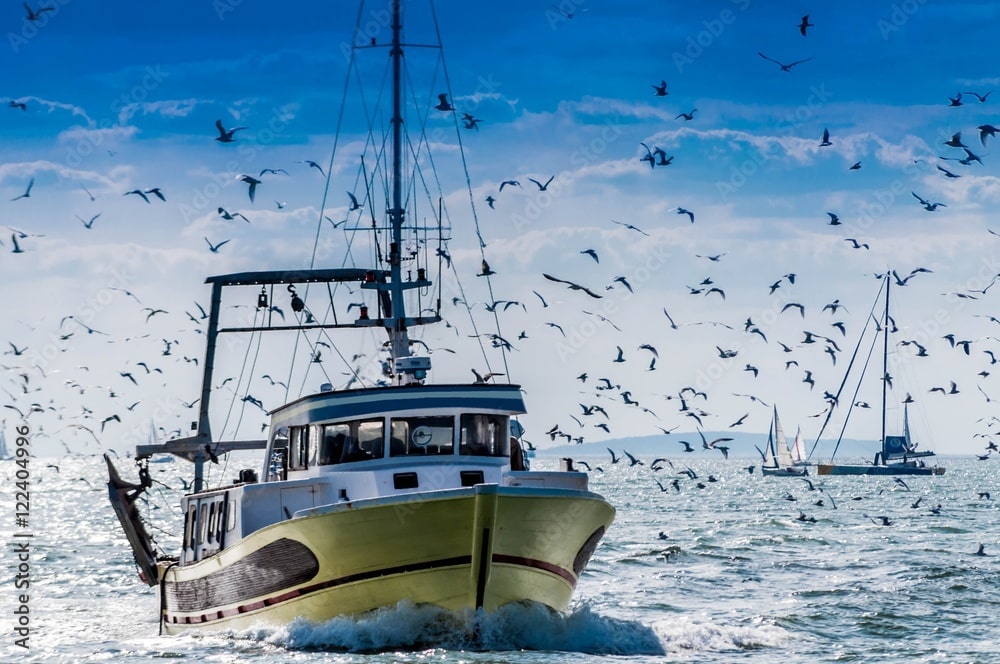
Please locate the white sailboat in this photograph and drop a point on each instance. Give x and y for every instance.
(4, 452)
(778, 458)
(363, 497)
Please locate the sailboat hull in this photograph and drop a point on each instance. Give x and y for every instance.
(891, 469)
(788, 471)
(483, 546)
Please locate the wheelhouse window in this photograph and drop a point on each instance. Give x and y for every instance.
(298, 448)
(484, 435)
(422, 435)
(358, 440)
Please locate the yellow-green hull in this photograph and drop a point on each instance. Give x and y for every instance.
(484, 546)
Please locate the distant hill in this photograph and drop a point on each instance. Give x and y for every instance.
(740, 447)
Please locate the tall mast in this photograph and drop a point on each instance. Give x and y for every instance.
(398, 336)
(885, 355)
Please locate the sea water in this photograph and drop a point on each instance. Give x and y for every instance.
(728, 566)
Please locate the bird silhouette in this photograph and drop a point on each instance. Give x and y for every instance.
(214, 248)
(252, 181)
(783, 66)
(313, 164)
(443, 103)
(661, 89)
(27, 192)
(226, 135)
(542, 187)
(804, 25)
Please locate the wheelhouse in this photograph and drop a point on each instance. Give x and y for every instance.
(458, 423)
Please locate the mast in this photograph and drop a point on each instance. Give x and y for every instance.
(885, 357)
(397, 333)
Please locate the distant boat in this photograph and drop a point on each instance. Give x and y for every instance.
(4, 452)
(798, 450)
(899, 454)
(779, 460)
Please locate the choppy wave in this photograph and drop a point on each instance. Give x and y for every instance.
(512, 628)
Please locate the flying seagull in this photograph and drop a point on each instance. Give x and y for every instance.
(783, 66)
(214, 248)
(226, 135)
(313, 164)
(27, 192)
(804, 25)
(443, 103)
(250, 180)
(573, 286)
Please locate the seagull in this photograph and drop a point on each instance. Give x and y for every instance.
(88, 224)
(34, 15)
(661, 89)
(984, 131)
(687, 116)
(573, 286)
(542, 187)
(226, 135)
(27, 192)
(313, 164)
(689, 213)
(230, 217)
(855, 166)
(930, 207)
(253, 182)
(834, 219)
(592, 254)
(631, 227)
(490, 201)
(947, 173)
(214, 248)
(470, 122)
(443, 104)
(804, 25)
(156, 192)
(855, 244)
(354, 203)
(783, 66)
(955, 141)
(13, 103)
(137, 192)
(826, 139)
(512, 183)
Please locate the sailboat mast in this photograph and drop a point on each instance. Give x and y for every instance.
(885, 356)
(397, 334)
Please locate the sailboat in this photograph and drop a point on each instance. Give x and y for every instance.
(4, 452)
(778, 459)
(373, 493)
(898, 454)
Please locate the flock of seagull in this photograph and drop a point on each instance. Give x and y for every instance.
(607, 396)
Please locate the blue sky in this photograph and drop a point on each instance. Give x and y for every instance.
(128, 99)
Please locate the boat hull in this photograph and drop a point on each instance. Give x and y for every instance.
(788, 471)
(892, 469)
(480, 547)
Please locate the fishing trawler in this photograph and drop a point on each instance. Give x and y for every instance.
(379, 491)
(898, 454)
